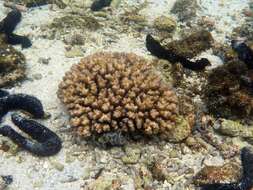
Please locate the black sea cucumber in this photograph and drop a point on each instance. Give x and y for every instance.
(99, 4)
(8, 25)
(8, 179)
(48, 143)
(3, 93)
(155, 48)
(244, 52)
(246, 182)
(22, 102)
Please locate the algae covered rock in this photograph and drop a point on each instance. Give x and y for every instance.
(180, 132)
(102, 183)
(227, 94)
(185, 9)
(231, 128)
(69, 22)
(229, 172)
(191, 45)
(132, 156)
(33, 3)
(121, 92)
(236, 129)
(165, 23)
(12, 64)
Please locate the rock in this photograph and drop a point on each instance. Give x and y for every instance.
(186, 10)
(231, 128)
(191, 45)
(34, 3)
(69, 22)
(86, 173)
(115, 3)
(37, 76)
(165, 23)
(227, 94)
(75, 39)
(12, 64)
(132, 156)
(44, 61)
(102, 183)
(2, 184)
(8, 146)
(227, 173)
(74, 52)
(146, 175)
(235, 129)
(158, 171)
(57, 165)
(180, 132)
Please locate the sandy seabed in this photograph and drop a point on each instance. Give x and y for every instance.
(71, 168)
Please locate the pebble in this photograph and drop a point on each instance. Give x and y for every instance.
(44, 61)
(37, 76)
(57, 165)
(132, 156)
(74, 52)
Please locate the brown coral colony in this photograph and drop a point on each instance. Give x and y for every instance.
(118, 92)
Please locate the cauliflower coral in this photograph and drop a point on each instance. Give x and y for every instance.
(121, 92)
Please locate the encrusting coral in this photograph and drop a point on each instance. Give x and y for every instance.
(121, 92)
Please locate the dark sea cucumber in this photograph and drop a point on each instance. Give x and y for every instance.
(8, 179)
(246, 182)
(99, 4)
(48, 143)
(8, 25)
(155, 48)
(3, 93)
(244, 52)
(22, 102)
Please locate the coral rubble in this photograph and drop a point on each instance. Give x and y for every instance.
(246, 181)
(121, 92)
(229, 172)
